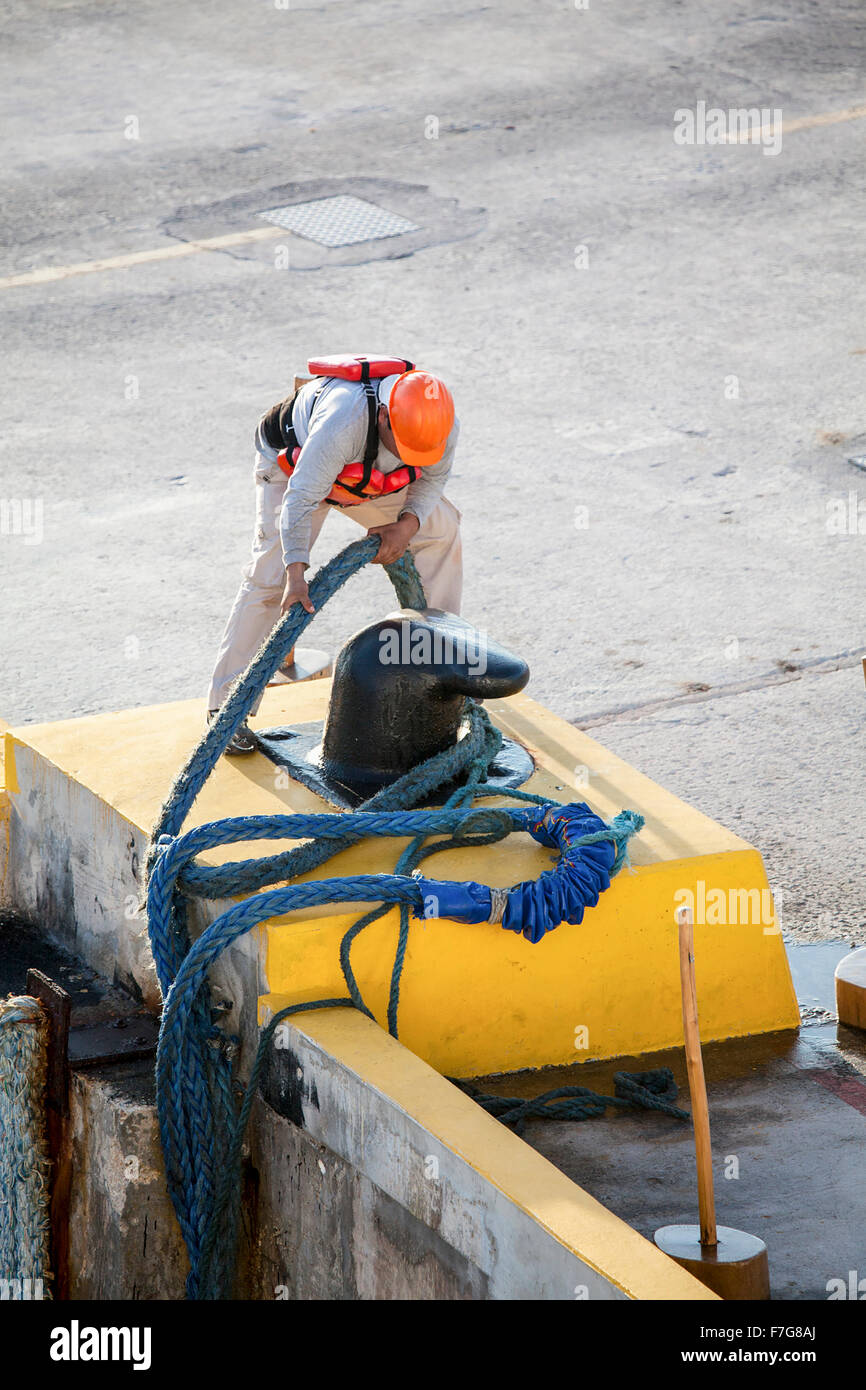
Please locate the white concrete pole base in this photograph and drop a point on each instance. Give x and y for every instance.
(736, 1268)
(851, 989)
(310, 664)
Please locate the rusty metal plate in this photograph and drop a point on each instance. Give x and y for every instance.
(121, 1040)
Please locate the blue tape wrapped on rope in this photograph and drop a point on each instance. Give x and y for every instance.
(455, 902)
(591, 853)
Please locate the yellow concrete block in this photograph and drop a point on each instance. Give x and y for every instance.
(476, 998)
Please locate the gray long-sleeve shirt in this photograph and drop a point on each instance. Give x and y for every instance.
(332, 435)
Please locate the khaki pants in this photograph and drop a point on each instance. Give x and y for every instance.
(435, 547)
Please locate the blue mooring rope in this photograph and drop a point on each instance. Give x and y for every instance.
(201, 1126)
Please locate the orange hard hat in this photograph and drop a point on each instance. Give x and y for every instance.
(422, 415)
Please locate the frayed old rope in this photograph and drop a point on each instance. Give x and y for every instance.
(25, 1168)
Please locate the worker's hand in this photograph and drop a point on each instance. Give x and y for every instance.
(296, 590)
(395, 538)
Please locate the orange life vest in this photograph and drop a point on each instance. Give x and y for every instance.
(358, 481)
(352, 486)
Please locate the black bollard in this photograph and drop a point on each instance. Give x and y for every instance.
(398, 695)
(399, 689)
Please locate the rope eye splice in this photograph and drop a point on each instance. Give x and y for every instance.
(591, 854)
(201, 1124)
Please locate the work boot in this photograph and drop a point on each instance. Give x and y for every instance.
(243, 739)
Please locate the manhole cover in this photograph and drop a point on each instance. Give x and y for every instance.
(339, 221)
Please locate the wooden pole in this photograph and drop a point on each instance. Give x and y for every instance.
(732, 1263)
(697, 1084)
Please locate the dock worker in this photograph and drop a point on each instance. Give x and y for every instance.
(374, 438)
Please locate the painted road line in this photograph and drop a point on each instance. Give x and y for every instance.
(169, 252)
(48, 274)
(847, 1088)
(752, 137)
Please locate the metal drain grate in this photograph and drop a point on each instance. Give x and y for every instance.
(339, 221)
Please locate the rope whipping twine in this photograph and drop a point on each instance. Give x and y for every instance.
(201, 1126)
(24, 1164)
